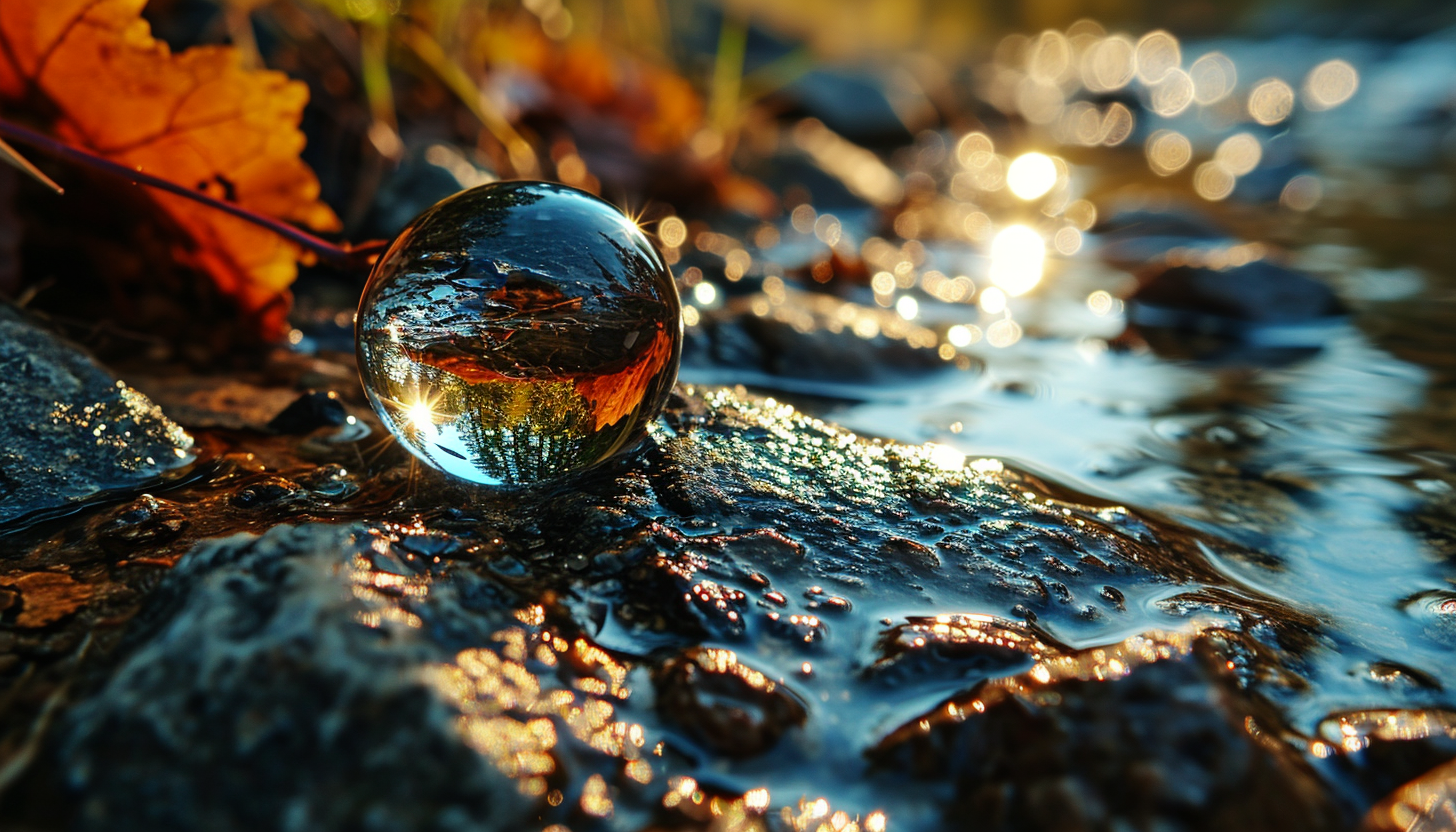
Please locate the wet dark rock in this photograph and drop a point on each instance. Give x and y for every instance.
(1419, 780)
(803, 631)
(255, 698)
(330, 482)
(1233, 299)
(1130, 239)
(272, 492)
(1161, 744)
(728, 706)
(1280, 161)
(1258, 313)
(430, 171)
(855, 105)
(314, 409)
(774, 354)
(910, 552)
(142, 524)
(69, 431)
(671, 601)
(1184, 223)
(760, 598)
(929, 649)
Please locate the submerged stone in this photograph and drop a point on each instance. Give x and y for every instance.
(1258, 294)
(69, 430)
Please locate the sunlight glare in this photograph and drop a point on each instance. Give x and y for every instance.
(1017, 257)
(1031, 175)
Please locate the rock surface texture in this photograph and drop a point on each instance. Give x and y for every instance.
(69, 430)
(761, 621)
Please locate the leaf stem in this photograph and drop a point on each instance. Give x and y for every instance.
(345, 255)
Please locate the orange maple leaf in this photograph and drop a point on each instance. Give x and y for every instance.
(197, 118)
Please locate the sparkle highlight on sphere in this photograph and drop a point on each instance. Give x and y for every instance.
(519, 333)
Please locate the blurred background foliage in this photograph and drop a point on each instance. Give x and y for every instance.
(655, 94)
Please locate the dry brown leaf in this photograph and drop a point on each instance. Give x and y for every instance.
(198, 118)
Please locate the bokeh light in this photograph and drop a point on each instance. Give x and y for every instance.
(1330, 84)
(1213, 76)
(1049, 57)
(1172, 94)
(975, 150)
(1018, 255)
(1168, 152)
(1003, 333)
(1117, 124)
(1082, 214)
(1212, 181)
(907, 307)
(1239, 154)
(1271, 101)
(1302, 193)
(673, 232)
(1040, 102)
(959, 335)
(1067, 241)
(1031, 175)
(1109, 65)
(1158, 54)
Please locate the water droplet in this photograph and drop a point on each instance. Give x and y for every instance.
(519, 332)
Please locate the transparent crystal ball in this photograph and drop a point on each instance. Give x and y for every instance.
(518, 333)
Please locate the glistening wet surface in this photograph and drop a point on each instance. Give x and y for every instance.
(1196, 573)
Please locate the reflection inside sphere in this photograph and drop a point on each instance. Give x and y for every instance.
(519, 332)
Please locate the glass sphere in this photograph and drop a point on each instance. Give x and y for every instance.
(519, 332)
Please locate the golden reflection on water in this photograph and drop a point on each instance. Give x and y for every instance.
(507, 716)
(1426, 804)
(1052, 663)
(1041, 78)
(750, 812)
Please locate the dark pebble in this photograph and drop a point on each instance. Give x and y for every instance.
(314, 409)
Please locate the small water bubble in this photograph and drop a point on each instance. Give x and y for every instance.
(519, 332)
(1435, 611)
